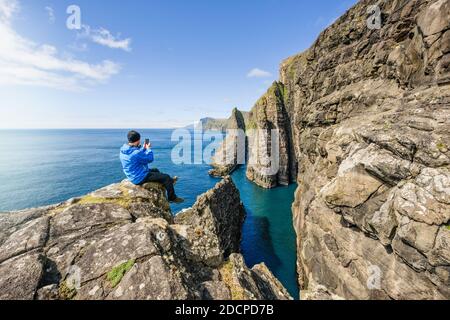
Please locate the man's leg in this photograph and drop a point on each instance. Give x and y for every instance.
(165, 180)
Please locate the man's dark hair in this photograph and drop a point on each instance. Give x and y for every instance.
(133, 136)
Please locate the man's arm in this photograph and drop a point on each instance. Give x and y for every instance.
(146, 156)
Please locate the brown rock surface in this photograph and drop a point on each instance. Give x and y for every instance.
(370, 111)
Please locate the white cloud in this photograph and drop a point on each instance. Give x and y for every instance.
(258, 73)
(23, 62)
(7, 9)
(51, 14)
(104, 37)
(81, 47)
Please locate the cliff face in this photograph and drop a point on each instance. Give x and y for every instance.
(121, 242)
(268, 114)
(371, 116)
(365, 114)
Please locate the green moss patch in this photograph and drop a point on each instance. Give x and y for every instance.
(117, 273)
(67, 292)
(226, 272)
(123, 201)
(251, 125)
(442, 147)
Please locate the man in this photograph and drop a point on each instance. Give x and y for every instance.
(135, 160)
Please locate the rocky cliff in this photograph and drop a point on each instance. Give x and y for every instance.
(371, 117)
(364, 120)
(122, 242)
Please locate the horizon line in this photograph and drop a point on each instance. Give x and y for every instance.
(93, 128)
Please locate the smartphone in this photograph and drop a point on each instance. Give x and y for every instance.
(147, 141)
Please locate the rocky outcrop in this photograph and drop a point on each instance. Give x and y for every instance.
(257, 283)
(212, 227)
(364, 124)
(121, 242)
(231, 152)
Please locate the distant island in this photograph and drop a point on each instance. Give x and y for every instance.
(213, 124)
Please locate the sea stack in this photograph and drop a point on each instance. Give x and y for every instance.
(232, 151)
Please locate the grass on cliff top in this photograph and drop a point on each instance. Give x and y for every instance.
(117, 273)
(226, 271)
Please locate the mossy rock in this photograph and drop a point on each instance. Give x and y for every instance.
(67, 292)
(251, 125)
(125, 201)
(226, 272)
(122, 201)
(118, 272)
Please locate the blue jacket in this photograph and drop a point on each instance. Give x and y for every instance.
(135, 162)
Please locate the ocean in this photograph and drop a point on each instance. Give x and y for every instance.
(42, 167)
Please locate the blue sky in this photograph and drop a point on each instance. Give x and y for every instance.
(146, 64)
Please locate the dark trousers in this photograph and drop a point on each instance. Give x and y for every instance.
(156, 176)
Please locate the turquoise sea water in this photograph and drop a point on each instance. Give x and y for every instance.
(41, 167)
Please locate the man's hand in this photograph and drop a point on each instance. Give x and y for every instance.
(147, 146)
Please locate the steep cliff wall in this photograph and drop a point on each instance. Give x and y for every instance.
(370, 111)
(364, 120)
(121, 242)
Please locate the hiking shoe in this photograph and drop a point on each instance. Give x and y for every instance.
(177, 200)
